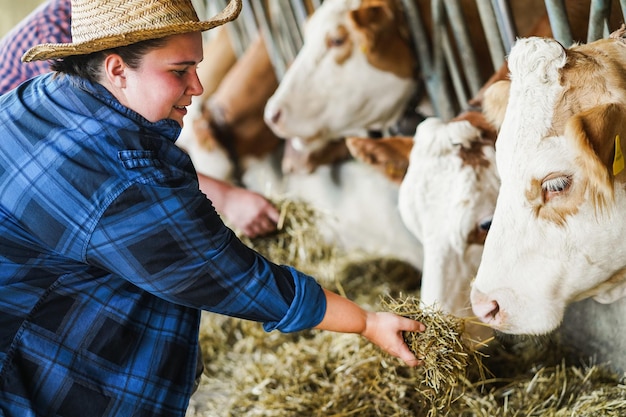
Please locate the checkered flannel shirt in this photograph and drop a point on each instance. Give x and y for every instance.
(108, 251)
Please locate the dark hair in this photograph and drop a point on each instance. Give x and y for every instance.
(90, 66)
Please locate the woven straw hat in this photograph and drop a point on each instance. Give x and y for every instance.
(103, 24)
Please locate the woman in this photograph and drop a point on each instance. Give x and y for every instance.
(108, 248)
(245, 210)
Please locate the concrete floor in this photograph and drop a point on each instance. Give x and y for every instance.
(598, 330)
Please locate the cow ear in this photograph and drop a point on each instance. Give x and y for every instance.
(375, 15)
(495, 100)
(603, 129)
(597, 134)
(388, 155)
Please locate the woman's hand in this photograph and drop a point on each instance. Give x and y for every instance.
(245, 210)
(385, 330)
(382, 329)
(250, 212)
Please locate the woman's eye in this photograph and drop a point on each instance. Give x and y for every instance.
(180, 72)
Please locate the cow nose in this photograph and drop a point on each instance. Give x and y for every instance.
(274, 115)
(486, 309)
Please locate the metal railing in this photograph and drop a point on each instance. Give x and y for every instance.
(448, 64)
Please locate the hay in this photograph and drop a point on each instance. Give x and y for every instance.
(297, 241)
(313, 373)
(445, 352)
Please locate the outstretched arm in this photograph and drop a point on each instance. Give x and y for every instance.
(381, 328)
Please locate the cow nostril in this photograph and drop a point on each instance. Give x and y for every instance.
(276, 116)
(494, 311)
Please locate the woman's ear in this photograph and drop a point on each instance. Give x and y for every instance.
(115, 70)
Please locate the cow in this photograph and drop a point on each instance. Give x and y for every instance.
(557, 231)
(448, 188)
(225, 131)
(357, 70)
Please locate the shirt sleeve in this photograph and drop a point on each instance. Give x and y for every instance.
(171, 242)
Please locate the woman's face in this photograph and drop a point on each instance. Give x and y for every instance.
(166, 79)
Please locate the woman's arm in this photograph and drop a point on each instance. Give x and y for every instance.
(382, 328)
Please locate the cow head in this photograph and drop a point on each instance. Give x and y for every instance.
(447, 199)
(354, 72)
(558, 229)
(448, 189)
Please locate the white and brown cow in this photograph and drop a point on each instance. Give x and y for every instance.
(558, 229)
(448, 189)
(357, 69)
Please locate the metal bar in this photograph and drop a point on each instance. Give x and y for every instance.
(236, 29)
(270, 42)
(439, 74)
(453, 68)
(505, 22)
(558, 22)
(490, 26)
(291, 27)
(598, 17)
(300, 12)
(464, 46)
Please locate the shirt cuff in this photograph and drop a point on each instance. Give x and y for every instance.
(307, 308)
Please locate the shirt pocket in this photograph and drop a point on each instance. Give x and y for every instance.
(133, 159)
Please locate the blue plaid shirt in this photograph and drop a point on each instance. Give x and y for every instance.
(108, 251)
(49, 23)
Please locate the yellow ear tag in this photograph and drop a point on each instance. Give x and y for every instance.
(618, 161)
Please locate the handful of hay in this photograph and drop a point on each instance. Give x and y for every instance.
(445, 353)
(298, 241)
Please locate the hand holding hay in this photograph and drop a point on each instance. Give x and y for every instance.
(444, 353)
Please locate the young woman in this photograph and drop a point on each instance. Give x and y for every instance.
(108, 248)
(245, 210)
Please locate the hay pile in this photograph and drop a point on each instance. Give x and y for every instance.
(315, 373)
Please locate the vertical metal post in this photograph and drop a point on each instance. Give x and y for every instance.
(505, 23)
(464, 46)
(598, 16)
(490, 26)
(558, 22)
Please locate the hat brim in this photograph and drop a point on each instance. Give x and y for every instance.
(48, 51)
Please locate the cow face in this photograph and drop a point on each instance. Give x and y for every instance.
(447, 199)
(557, 234)
(353, 72)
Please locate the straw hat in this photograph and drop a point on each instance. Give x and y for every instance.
(103, 24)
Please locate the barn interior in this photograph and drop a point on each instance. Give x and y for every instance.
(578, 370)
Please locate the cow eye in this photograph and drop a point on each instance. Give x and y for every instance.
(335, 42)
(553, 187)
(479, 234)
(337, 37)
(485, 224)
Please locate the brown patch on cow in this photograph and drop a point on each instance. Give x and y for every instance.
(494, 103)
(380, 31)
(474, 155)
(477, 236)
(587, 114)
(340, 43)
(389, 156)
(592, 75)
(592, 135)
(306, 161)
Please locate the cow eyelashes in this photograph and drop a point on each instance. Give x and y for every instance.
(334, 42)
(553, 187)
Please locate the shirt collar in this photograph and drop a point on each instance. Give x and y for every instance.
(168, 127)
